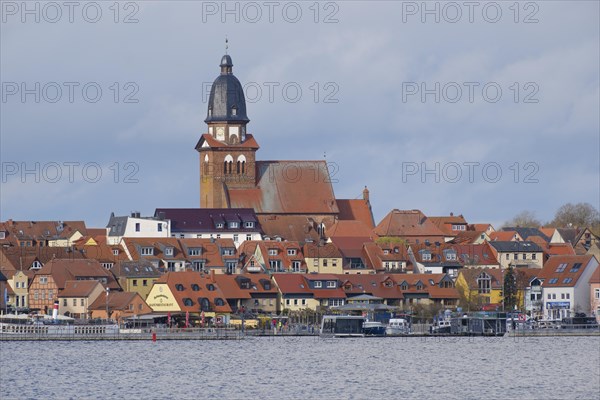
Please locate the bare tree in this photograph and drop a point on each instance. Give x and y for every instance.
(524, 219)
(576, 215)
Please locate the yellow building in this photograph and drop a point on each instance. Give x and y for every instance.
(325, 259)
(19, 283)
(484, 287)
(136, 276)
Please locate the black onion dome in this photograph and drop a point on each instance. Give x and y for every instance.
(227, 102)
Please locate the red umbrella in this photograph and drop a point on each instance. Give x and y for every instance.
(169, 318)
(202, 321)
(187, 318)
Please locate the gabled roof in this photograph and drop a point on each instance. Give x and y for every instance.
(249, 143)
(44, 230)
(505, 236)
(445, 223)
(525, 233)
(407, 223)
(187, 279)
(560, 268)
(373, 285)
(595, 278)
(292, 284)
(79, 288)
(356, 210)
(288, 187)
(350, 247)
(569, 235)
(475, 254)
(63, 270)
(136, 269)
(117, 301)
(231, 288)
(471, 275)
(298, 228)
(349, 229)
(316, 250)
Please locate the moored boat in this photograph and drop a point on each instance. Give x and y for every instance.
(342, 326)
(397, 327)
(374, 328)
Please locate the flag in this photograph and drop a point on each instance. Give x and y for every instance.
(187, 318)
(202, 321)
(169, 318)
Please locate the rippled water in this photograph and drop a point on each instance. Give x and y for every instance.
(305, 368)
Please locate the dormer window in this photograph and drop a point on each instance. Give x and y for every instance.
(195, 251)
(210, 287)
(419, 286)
(115, 252)
(404, 286)
(248, 224)
(195, 287)
(291, 252)
(389, 284)
(331, 284)
(188, 302)
(318, 284)
(169, 251)
(451, 256)
(272, 252)
(179, 287)
(2, 235)
(210, 112)
(228, 252)
(233, 225)
(219, 225)
(426, 256)
(147, 251)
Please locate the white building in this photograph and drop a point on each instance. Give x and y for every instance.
(135, 226)
(565, 285)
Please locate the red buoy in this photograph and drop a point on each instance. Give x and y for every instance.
(154, 336)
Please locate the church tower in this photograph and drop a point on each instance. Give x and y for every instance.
(227, 151)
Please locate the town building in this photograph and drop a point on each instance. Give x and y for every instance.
(136, 276)
(595, 294)
(41, 233)
(566, 287)
(208, 223)
(410, 225)
(120, 306)
(76, 297)
(518, 254)
(136, 226)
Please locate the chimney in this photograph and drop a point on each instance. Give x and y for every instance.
(366, 194)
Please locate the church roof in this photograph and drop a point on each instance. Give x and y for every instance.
(206, 140)
(227, 102)
(288, 187)
(356, 209)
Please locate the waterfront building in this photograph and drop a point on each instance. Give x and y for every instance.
(565, 285)
(135, 226)
(120, 306)
(254, 293)
(136, 276)
(76, 297)
(595, 293)
(271, 256)
(322, 258)
(518, 254)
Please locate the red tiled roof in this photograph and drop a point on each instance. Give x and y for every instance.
(595, 278)
(288, 187)
(445, 223)
(551, 270)
(249, 143)
(407, 223)
(291, 284)
(349, 229)
(118, 301)
(356, 210)
(63, 270)
(187, 279)
(504, 236)
(79, 288)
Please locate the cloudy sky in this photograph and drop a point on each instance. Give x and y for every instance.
(484, 109)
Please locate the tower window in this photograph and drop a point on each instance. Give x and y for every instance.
(210, 112)
(233, 110)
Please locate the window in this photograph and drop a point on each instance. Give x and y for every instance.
(334, 263)
(134, 283)
(451, 256)
(549, 296)
(188, 302)
(137, 226)
(194, 251)
(484, 284)
(169, 251)
(159, 227)
(331, 284)
(597, 293)
(219, 301)
(507, 256)
(553, 296)
(295, 302)
(35, 294)
(287, 302)
(426, 257)
(233, 225)
(562, 296)
(324, 262)
(553, 281)
(318, 284)
(248, 224)
(179, 287)
(74, 302)
(210, 287)
(50, 294)
(195, 287)
(567, 280)
(291, 252)
(568, 296)
(219, 225)
(296, 266)
(275, 265)
(147, 251)
(303, 302)
(2, 235)
(81, 302)
(516, 256)
(115, 252)
(524, 256)
(248, 237)
(335, 302)
(64, 302)
(576, 267)
(231, 267)
(561, 267)
(315, 262)
(43, 280)
(534, 256)
(145, 282)
(236, 237)
(272, 252)
(228, 252)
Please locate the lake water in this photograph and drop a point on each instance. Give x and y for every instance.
(304, 368)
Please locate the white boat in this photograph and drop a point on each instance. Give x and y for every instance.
(397, 327)
(59, 326)
(373, 328)
(342, 326)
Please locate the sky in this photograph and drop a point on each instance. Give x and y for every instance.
(478, 108)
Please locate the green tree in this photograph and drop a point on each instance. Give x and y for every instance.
(510, 289)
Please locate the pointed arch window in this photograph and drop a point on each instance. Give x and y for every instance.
(228, 164)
